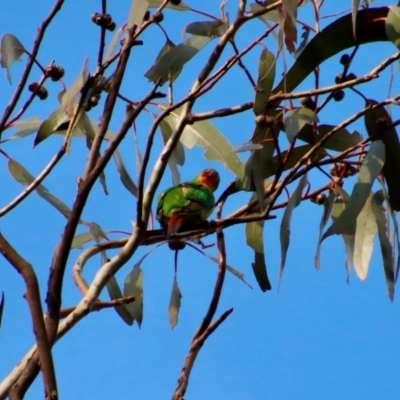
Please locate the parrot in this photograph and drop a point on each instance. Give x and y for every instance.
(187, 204)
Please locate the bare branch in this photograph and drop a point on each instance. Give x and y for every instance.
(33, 297)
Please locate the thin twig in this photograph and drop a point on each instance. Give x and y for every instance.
(25, 75)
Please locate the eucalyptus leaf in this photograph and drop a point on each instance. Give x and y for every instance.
(176, 58)
(174, 303)
(354, 11)
(157, 3)
(377, 123)
(21, 175)
(255, 240)
(50, 125)
(211, 29)
(392, 26)
(265, 82)
(206, 135)
(328, 206)
(384, 241)
(284, 234)
(11, 50)
(114, 292)
(366, 230)
(370, 169)
(296, 119)
(134, 287)
(137, 12)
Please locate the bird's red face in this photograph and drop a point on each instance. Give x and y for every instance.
(210, 178)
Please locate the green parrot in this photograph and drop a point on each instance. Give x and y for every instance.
(187, 204)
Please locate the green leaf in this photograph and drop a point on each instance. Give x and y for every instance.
(289, 23)
(21, 175)
(25, 128)
(80, 239)
(174, 304)
(294, 201)
(296, 119)
(169, 45)
(266, 77)
(11, 50)
(113, 44)
(50, 125)
(392, 26)
(134, 287)
(340, 141)
(349, 235)
(376, 122)
(137, 12)
(370, 28)
(157, 3)
(206, 135)
(255, 240)
(247, 147)
(233, 271)
(328, 206)
(354, 11)
(386, 247)
(68, 102)
(176, 58)
(269, 16)
(1, 306)
(366, 230)
(115, 293)
(370, 169)
(211, 29)
(124, 175)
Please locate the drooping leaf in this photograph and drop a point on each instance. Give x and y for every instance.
(113, 44)
(255, 240)
(68, 102)
(1, 306)
(172, 74)
(354, 11)
(269, 16)
(174, 304)
(11, 50)
(247, 147)
(50, 125)
(211, 29)
(21, 175)
(206, 135)
(392, 26)
(137, 12)
(176, 58)
(348, 236)
(266, 77)
(296, 119)
(340, 141)
(366, 230)
(386, 247)
(284, 234)
(370, 169)
(80, 239)
(289, 23)
(134, 287)
(115, 293)
(328, 206)
(303, 44)
(233, 271)
(25, 128)
(376, 123)
(124, 175)
(157, 3)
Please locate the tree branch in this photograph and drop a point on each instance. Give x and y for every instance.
(33, 297)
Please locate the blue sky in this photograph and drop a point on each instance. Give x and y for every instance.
(318, 338)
